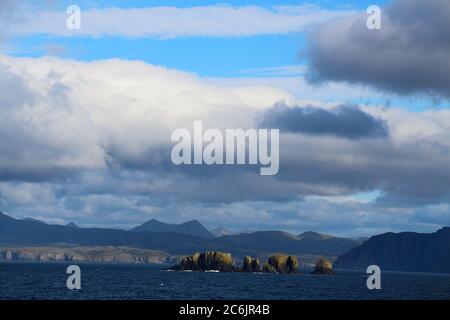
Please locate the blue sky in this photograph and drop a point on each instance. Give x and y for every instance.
(210, 57)
(206, 56)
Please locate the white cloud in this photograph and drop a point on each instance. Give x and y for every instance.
(94, 125)
(170, 22)
(65, 115)
(297, 86)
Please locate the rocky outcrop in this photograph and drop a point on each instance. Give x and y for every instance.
(256, 266)
(188, 263)
(281, 264)
(268, 268)
(292, 264)
(251, 265)
(206, 261)
(323, 266)
(224, 262)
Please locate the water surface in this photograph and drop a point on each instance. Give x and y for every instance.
(25, 280)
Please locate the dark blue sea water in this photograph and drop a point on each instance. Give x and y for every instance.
(120, 281)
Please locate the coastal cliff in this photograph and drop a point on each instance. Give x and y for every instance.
(84, 254)
(406, 251)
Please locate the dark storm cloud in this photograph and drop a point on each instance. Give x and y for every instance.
(411, 173)
(409, 55)
(343, 121)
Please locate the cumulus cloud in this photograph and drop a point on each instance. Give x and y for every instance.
(409, 55)
(90, 142)
(207, 21)
(41, 134)
(346, 121)
(410, 171)
(60, 116)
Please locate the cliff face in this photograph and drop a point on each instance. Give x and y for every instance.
(281, 264)
(406, 251)
(251, 265)
(83, 254)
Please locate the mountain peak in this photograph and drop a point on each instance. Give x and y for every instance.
(444, 230)
(72, 225)
(194, 221)
(192, 227)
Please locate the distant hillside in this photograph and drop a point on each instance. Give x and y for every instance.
(277, 241)
(407, 251)
(84, 254)
(314, 236)
(72, 225)
(193, 228)
(33, 220)
(20, 233)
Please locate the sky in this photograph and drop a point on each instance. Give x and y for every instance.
(86, 115)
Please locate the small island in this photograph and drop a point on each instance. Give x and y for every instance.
(223, 262)
(323, 266)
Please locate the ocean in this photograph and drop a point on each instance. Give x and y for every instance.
(26, 280)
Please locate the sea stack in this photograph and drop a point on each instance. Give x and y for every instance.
(281, 264)
(323, 266)
(251, 265)
(213, 260)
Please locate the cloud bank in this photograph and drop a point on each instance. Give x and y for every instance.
(90, 142)
(343, 121)
(171, 22)
(409, 55)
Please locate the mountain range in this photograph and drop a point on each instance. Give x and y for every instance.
(406, 251)
(173, 239)
(192, 227)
